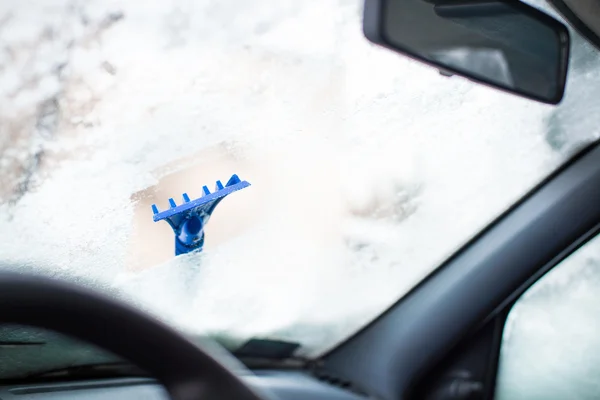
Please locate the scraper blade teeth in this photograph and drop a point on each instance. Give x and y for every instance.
(190, 237)
(233, 180)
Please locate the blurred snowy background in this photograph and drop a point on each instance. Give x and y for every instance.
(367, 169)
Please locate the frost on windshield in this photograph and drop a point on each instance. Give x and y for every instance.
(367, 169)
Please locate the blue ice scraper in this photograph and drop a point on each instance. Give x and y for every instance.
(189, 218)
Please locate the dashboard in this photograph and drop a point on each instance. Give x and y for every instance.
(277, 385)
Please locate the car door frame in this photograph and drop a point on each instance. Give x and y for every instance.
(465, 301)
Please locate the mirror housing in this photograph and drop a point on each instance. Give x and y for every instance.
(504, 44)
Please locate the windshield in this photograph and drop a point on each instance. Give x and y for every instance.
(367, 170)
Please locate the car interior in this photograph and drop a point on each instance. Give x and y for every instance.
(444, 339)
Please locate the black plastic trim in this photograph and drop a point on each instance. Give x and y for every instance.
(493, 362)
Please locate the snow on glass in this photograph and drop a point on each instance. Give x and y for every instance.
(367, 169)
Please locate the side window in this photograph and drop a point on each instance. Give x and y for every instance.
(551, 342)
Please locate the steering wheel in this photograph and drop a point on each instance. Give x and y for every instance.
(186, 371)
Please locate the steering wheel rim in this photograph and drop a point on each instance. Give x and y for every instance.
(186, 371)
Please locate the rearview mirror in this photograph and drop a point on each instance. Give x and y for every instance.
(505, 44)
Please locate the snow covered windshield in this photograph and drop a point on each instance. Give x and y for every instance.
(367, 170)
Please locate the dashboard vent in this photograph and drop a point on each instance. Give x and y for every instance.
(337, 381)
